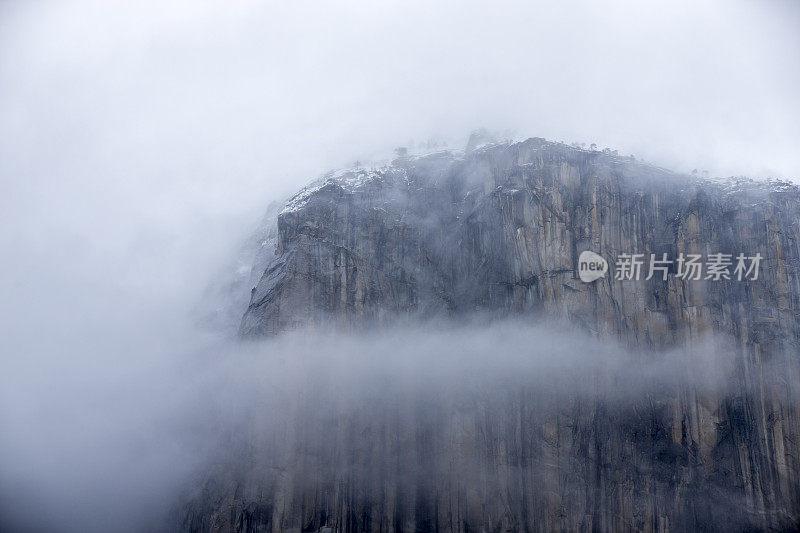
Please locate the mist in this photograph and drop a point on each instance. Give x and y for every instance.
(121, 434)
(140, 145)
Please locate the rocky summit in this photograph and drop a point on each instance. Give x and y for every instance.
(498, 230)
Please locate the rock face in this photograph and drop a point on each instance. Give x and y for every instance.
(499, 230)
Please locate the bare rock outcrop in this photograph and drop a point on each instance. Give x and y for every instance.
(498, 230)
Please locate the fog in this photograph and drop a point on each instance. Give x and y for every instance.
(118, 431)
(141, 143)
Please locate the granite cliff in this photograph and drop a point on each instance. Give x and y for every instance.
(497, 230)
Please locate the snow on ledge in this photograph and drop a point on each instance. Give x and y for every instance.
(349, 179)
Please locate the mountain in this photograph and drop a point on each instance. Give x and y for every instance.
(498, 230)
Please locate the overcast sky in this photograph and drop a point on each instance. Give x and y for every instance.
(163, 112)
(142, 137)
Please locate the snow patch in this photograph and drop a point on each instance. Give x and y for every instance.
(349, 179)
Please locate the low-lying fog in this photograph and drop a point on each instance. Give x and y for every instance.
(109, 437)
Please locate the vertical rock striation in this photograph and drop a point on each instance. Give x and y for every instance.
(498, 230)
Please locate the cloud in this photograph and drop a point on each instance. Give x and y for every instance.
(117, 432)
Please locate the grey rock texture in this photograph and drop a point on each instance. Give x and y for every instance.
(498, 230)
(501, 228)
